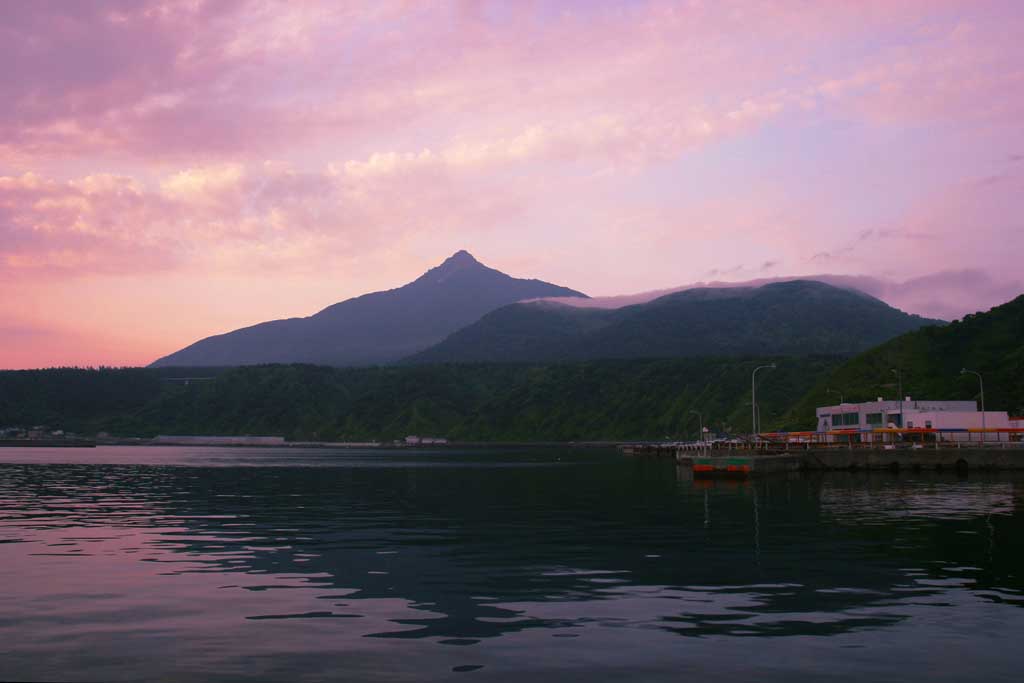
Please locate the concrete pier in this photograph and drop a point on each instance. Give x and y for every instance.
(989, 458)
(910, 459)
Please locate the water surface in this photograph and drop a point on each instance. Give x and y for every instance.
(123, 563)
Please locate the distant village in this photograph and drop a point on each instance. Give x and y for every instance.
(43, 435)
(35, 433)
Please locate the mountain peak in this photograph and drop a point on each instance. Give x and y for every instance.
(459, 262)
(460, 259)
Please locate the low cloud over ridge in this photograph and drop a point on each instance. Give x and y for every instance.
(946, 295)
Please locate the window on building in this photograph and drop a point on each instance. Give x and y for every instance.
(873, 419)
(896, 419)
(927, 424)
(846, 420)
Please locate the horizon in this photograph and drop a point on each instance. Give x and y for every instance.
(173, 171)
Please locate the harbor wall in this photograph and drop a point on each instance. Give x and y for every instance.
(914, 458)
(935, 459)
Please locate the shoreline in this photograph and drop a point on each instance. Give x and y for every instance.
(373, 445)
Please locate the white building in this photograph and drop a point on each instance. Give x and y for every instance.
(955, 416)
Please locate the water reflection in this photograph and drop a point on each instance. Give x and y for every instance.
(451, 552)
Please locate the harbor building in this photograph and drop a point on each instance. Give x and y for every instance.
(954, 420)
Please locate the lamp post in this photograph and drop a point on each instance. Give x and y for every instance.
(753, 397)
(981, 385)
(701, 418)
(899, 392)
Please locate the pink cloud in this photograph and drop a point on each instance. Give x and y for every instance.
(209, 79)
(240, 217)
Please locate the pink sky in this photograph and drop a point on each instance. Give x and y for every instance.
(171, 170)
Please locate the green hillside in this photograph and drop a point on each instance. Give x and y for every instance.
(603, 400)
(800, 317)
(930, 360)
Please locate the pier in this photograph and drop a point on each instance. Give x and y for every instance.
(881, 449)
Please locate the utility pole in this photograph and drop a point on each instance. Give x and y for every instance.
(981, 385)
(899, 391)
(701, 418)
(753, 397)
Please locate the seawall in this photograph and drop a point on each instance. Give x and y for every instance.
(935, 459)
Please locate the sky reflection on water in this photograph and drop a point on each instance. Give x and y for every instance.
(142, 564)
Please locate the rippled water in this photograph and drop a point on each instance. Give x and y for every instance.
(266, 564)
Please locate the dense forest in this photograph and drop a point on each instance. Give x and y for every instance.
(631, 399)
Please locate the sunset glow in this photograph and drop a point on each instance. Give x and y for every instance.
(172, 170)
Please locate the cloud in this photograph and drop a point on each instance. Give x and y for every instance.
(177, 79)
(951, 294)
(268, 216)
(635, 83)
(941, 72)
(946, 294)
(88, 223)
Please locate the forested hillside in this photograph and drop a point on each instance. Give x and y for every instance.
(799, 317)
(930, 360)
(639, 399)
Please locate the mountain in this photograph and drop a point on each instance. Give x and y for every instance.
(374, 328)
(798, 317)
(930, 360)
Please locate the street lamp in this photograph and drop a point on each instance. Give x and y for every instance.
(701, 418)
(981, 384)
(753, 396)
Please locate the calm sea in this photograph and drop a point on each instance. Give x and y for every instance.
(141, 564)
